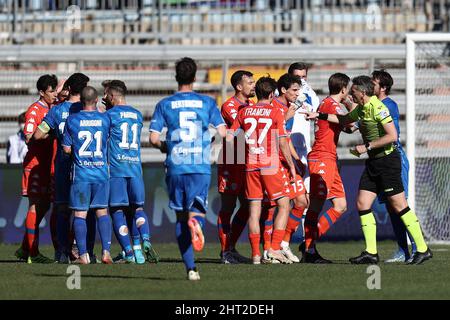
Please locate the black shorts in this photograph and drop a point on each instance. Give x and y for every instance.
(383, 175)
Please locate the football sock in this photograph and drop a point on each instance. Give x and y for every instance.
(63, 227)
(277, 237)
(185, 244)
(295, 218)
(267, 226)
(327, 220)
(400, 231)
(238, 225)
(254, 242)
(310, 229)
(121, 231)
(30, 229)
(135, 235)
(91, 223)
(411, 222)
(223, 226)
(369, 229)
(104, 228)
(141, 221)
(80, 228)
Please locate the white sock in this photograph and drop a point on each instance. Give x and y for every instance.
(284, 244)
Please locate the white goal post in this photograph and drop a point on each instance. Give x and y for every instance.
(428, 131)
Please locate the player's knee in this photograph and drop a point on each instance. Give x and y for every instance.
(341, 207)
(361, 206)
(301, 202)
(123, 231)
(140, 222)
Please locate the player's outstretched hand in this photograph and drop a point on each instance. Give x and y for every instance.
(310, 115)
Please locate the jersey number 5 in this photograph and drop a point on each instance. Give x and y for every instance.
(187, 123)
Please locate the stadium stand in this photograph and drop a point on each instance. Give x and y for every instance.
(138, 42)
(150, 80)
(218, 21)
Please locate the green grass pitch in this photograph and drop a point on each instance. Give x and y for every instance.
(167, 279)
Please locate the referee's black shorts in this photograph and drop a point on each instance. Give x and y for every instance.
(383, 175)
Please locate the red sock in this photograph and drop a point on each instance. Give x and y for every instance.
(223, 226)
(310, 228)
(238, 225)
(254, 242)
(53, 231)
(295, 218)
(30, 232)
(277, 237)
(324, 222)
(267, 226)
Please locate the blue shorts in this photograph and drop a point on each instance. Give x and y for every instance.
(85, 195)
(126, 191)
(405, 170)
(62, 183)
(188, 192)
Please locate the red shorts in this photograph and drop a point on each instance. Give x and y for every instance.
(326, 183)
(274, 182)
(297, 187)
(230, 179)
(36, 182)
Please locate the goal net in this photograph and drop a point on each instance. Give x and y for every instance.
(428, 132)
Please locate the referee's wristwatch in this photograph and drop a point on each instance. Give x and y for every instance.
(368, 147)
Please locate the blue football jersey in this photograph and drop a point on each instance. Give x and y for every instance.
(56, 120)
(87, 132)
(187, 116)
(395, 114)
(125, 142)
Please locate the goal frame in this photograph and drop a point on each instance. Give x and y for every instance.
(411, 40)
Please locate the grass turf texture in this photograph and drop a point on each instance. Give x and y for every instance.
(167, 279)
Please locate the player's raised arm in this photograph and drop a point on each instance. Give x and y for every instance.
(333, 118)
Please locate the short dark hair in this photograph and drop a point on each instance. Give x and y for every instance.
(297, 66)
(21, 117)
(385, 79)
(364, 83)
(88, 95)
(264, 87)
(45, 81)
(237, 77)
(185, 70)
(117, 86)
(76, 83)
(337, 82)
(287, 80)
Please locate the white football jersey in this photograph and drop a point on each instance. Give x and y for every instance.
(301, 128)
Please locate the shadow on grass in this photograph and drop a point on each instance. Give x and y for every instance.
(12, 261)
(103, 276)
(200, 260)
